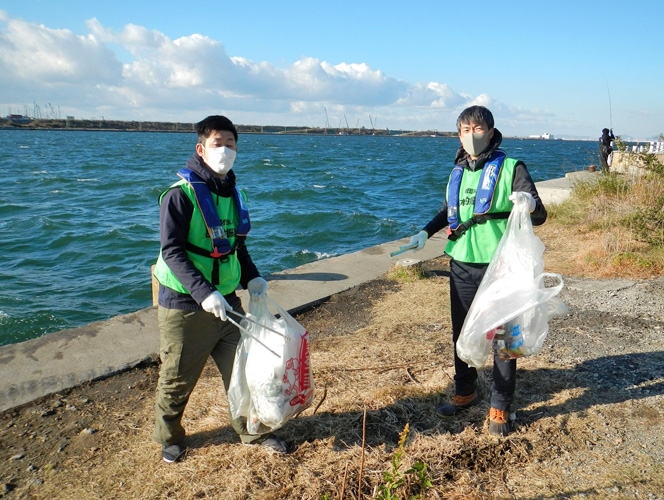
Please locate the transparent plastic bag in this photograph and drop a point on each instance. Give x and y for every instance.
(512, 295)
(272, 380)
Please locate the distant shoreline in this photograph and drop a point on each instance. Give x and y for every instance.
(27, 123)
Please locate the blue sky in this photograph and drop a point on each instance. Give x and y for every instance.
(565, 68)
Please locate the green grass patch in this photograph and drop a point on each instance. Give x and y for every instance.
(406, 274)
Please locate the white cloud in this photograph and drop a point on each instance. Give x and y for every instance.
(30, 52)
(185, 78)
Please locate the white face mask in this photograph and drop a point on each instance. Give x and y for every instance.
(475, 144)
(220, 159)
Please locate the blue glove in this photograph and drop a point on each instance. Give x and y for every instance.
(256, 287)
(419, 239)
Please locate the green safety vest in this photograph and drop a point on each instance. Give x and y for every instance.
(478, 244)
(229, 265)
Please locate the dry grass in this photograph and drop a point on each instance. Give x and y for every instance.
(383, 348)
(396, 366)
(612, 227)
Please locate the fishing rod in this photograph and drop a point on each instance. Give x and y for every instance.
(610, 111)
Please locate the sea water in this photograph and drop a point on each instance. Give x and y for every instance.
(79, 215)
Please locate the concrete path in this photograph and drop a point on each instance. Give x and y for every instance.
(556, 191)
(68, 358)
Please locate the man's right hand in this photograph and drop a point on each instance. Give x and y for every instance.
(419, 239)
(216, 304)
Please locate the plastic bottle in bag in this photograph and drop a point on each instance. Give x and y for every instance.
(515, 340)
(509, 340)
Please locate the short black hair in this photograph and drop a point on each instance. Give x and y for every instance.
(475, 114)
(214, 122)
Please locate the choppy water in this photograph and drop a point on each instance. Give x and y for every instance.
(79, 214)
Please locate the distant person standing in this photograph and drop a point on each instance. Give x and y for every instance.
(481, 192)
(203, 222)
(605, 148)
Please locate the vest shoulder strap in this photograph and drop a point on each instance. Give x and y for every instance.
(210, 216)
(488, 181)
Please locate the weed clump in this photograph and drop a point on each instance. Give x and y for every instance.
(406, 274)
(396, 479)
(627, 213)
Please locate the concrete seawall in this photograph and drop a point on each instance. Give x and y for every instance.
(631, 163)
(65, 359)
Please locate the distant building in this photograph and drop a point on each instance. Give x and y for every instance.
(19, 118)
(547, 136)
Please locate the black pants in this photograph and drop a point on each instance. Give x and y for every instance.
(465, 279)
(604, 153)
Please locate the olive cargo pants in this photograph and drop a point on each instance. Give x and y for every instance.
(187, 339)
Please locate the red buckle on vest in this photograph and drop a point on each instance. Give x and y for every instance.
(449, 231)
(216, 254)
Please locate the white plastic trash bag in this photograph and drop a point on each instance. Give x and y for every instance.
(272, 380)
(512, 302)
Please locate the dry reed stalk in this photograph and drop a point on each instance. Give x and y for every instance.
(410, 376)
(371, 368)
(343, 483)
(321, 399)
(364, 431)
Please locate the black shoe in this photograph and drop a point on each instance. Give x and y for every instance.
(457, 404)
(172, 453)
(272, 443)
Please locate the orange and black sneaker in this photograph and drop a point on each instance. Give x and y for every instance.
(457, 404)
(499, 424)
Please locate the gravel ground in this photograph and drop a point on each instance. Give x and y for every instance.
(607, 361)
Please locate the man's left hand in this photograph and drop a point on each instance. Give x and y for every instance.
(256, 287)
(530, 199)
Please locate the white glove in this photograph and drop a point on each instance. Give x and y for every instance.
(527, 197)
(216, 304)
(419, 239)
(256, 287)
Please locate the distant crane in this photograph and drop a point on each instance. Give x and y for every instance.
(373, 121)
(54, 115)
(36, 111)
(327, 120)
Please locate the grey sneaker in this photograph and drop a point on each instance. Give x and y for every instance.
(172, 453)
(273, 443)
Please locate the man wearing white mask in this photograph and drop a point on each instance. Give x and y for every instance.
(480, 195)
(203, 224)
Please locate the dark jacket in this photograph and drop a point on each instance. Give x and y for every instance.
(521, 182)
(174, 217)
(606, 139)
